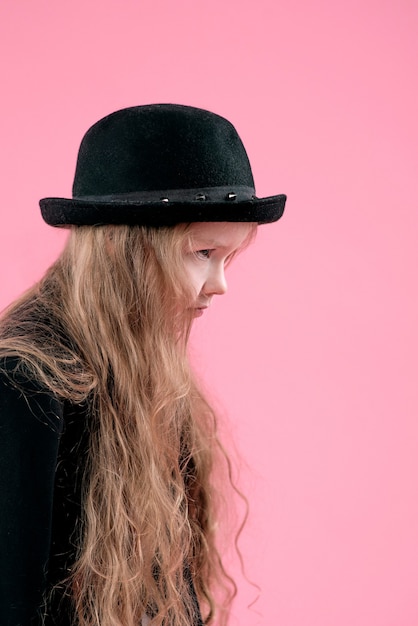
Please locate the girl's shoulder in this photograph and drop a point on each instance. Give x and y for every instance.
(25, 403)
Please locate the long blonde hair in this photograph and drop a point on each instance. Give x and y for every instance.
(107, 324)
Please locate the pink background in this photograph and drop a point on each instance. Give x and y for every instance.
(313, 352)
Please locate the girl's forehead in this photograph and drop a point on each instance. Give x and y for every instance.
(221, 234)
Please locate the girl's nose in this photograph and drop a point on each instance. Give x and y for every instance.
(216, 283)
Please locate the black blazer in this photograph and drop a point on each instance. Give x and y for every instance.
(43, 447)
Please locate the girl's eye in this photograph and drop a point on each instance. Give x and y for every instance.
(203, 254)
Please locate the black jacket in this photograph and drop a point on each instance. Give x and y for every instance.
(43, 447)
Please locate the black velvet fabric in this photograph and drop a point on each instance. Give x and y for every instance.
(31, 424)
(160, 147)
(43, 451)
(132, 164)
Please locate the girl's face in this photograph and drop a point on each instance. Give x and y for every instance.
(213, 245)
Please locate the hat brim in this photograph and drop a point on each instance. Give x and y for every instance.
(77, 212)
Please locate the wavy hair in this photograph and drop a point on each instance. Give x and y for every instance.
(107, 324)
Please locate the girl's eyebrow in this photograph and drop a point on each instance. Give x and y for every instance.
(210, 243)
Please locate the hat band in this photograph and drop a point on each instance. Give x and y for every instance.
(202, 194)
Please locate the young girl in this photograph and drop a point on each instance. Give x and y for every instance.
(107, 445)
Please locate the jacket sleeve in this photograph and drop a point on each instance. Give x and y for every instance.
(30, 427)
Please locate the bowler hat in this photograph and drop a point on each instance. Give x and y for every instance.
(159, 165)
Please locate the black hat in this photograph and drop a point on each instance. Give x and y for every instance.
(159, 165)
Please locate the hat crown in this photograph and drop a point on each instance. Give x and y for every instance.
(159, 147)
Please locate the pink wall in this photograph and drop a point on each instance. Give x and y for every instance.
(313, 352)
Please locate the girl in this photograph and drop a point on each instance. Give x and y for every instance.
(107, 445)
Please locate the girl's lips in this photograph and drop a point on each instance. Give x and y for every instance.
(199, 310)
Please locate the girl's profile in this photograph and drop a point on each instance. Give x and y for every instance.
(108, 446)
